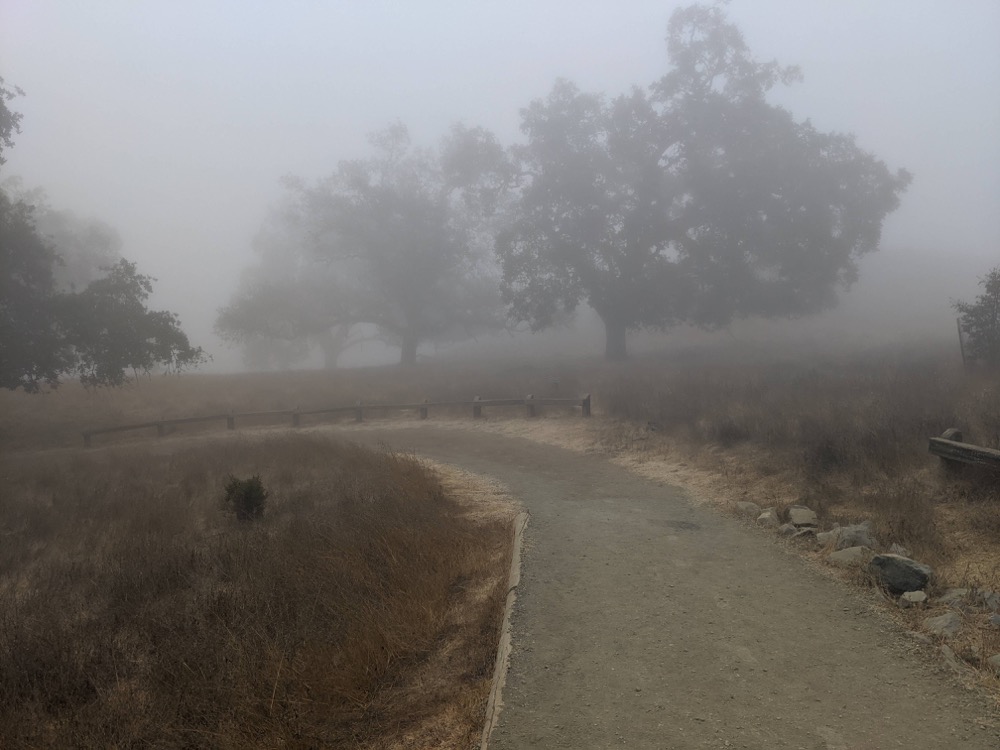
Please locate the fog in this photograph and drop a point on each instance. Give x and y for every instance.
(174, 122)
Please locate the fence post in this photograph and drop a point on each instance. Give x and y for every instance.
(529, 405)
(359, 413)
(585, 406)
(231, 420)
(423, 410)
(295, 417)
(477, 410)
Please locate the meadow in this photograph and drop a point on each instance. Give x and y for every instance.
(137, 612)
(361, 609)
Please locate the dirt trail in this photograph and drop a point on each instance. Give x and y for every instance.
(644, 621)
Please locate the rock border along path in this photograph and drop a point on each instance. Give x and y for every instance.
(645, 621)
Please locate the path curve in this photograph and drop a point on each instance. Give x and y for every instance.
(645, 621)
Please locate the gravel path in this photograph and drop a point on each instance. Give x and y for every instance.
(643, 621)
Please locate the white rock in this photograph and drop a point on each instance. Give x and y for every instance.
(800, 515)
(769, 518)
(912, 599)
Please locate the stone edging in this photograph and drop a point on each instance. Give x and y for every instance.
(495, 702)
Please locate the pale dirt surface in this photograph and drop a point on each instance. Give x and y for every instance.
(646, 620)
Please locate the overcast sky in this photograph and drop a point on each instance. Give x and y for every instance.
(173, 121)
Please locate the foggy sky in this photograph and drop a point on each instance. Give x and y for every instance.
(173, 121)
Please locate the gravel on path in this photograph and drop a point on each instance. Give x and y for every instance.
(645, 621)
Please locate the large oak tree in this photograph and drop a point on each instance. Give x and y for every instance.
(402, 244)
(692, 200)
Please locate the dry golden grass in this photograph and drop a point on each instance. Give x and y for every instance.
(361, 610)
(846, 435)
(848, 438)
(57, 418)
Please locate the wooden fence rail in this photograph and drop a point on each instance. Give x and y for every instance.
(951, 448)
(529, 402)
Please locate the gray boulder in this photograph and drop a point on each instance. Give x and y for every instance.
(769, 518)
(945, 625)
(956, 599)
(850, 557)
(858, 535)
(994, 661)
(787, 529)
(900, 574)
(990, 600)
(828, 537)
(800, 515)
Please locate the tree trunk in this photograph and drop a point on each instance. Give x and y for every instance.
(410, 343)
(614, 349)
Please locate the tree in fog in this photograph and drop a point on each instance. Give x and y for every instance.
(288, 303)
(693, 200)
(10, 121)
(101, 333)
(980, 321)
(404, 238)
(85, 246)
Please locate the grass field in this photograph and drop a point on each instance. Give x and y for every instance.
(126, 590)
(136, 612)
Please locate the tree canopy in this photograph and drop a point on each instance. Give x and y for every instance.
(980, 321)
(10, 121)
(399, 242)
(48, 329)
(288, 303)
(692, 200)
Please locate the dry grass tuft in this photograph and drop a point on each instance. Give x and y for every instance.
(135, 612)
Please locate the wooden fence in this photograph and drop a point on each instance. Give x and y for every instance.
(951, 448)
(529, 403)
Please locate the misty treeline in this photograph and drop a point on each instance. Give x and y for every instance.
(693, 199)
(69, 303)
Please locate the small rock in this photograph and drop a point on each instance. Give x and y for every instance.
(800, 515)
(748, 509)
(787, 529)
(945, 625)
(769, 518)
(994, 661)
(956, 599)
(858, 535)
(828, 537)
(995, 620)
(850, 556)
(900, 574)
(991, 600)
(912, 599)
(898, 549)
(952, 660)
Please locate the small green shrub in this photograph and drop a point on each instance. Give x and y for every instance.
(247, 498)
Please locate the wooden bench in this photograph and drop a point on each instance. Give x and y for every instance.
(952, 449)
